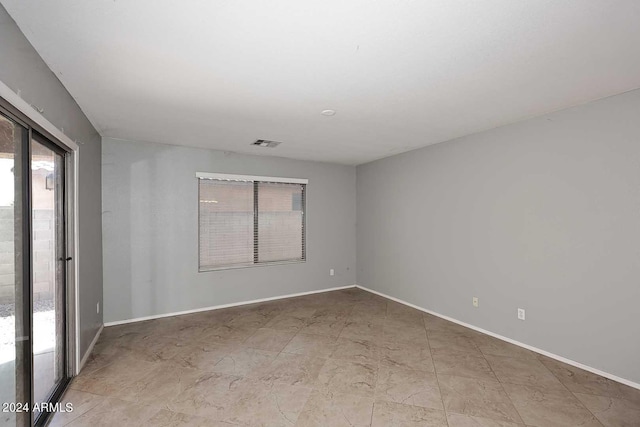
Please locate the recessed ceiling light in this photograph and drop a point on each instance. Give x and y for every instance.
(328, 112)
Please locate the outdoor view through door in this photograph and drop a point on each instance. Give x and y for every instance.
(15, 351)
(246, 221)
(33, 335)
(47, 247)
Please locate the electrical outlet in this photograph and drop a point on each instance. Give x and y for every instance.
(98, 308)
(475, 301)
(521, 313)
(332, 272)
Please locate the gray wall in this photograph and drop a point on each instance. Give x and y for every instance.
(543, 215)
(22, 69)
(150, 227)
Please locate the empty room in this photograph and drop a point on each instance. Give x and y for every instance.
(320, 213)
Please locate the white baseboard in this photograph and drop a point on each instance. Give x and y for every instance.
(509, 340)
(218, 307)
(89, 350)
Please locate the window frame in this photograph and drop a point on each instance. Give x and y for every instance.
(255, 179)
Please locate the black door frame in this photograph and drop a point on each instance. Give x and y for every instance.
(50, 142)
(60, 387)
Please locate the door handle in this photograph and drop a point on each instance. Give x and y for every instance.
(66, 259)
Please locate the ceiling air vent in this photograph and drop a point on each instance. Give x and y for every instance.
(265, 143)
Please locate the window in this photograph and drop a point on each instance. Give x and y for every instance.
(250, 220)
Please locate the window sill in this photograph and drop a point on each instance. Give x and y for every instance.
(242, 266)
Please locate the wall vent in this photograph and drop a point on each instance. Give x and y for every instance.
(265, 143)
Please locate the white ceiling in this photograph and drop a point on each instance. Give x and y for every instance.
(401, 74)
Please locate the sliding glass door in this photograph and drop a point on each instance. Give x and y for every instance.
(33, 284)
(15, 347)
(48, 263)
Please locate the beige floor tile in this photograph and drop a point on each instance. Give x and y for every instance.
(462, 364)
(245, 362)
(113, 346)
(477, 397)
(356, 350)
(459, 420)
(446, 342)
(388, 414)
(407, 355)
(249, 318)
(82, 402)
(211, 368)
(539, 406)
(611, 411)
(413, 317)
(403, 331)
(266, 405)
(226, 334)
(581, 381)
(202, 356)
(312, 345)
(298, 311)
(111, 412)
(343, 376)
(628, 393)
(336, 410)
(166, 418)
(111, 379)
(417, 388)
(293, 369)
(156, 348)
(523, 371)
(208, 317)
(328, 326)
(494, 347)
(267, 310)
(434, 323)
(189, 332)
(269, 339)
(99, 360)
(287, 322)
(366, 315)
(331, 311)
(129, 331)
(400, 310)
(209, 397)
(362, 331)
(161, 386)
(376, 306)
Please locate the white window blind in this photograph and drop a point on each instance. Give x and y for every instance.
(280, 235)
(226, 223)
(244, 221)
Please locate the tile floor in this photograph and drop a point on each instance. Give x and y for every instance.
(343, 358)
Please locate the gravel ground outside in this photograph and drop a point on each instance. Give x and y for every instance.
(44, 328)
